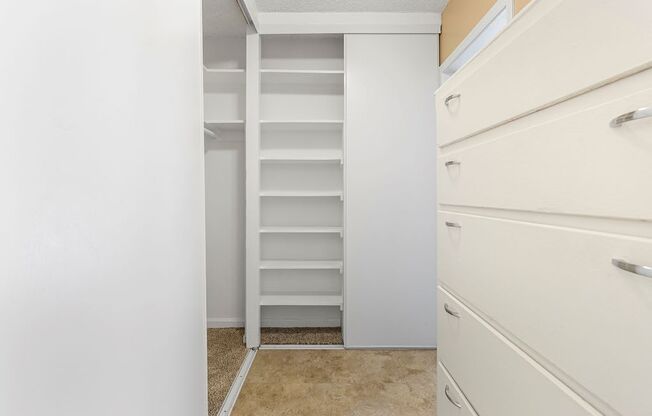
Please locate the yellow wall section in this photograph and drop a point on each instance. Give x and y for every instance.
(519, 4)
(460, 17)
(457, 20)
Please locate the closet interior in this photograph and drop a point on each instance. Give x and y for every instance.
(301, 181)
(301, 186)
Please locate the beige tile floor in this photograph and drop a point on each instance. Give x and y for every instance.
(340, 382)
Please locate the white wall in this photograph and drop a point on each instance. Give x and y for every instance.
(225, 242)
(102, 287)
(390, 193)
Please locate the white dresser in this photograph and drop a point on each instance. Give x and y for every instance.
(545, 217)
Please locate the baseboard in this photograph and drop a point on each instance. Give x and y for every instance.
(225, 323)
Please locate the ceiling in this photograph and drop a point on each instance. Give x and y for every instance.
(315, 6)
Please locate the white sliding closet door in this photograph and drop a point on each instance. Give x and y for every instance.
(390, 190)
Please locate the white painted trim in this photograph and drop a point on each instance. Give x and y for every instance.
(345, 201)
(300, 323)
(236, 386)
(360, 22)
(300, 347)
(225, 322)
(509, 5)
(477, 30)
(250, 9)
(252, 223)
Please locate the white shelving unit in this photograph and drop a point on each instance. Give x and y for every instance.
(216, 78)
(301, 155)
(301, 163)
(302, 194)
(302, 124)
(301, 300)
(301, 230)
(224, 90)
(224, 125)
(300, 265)
(302, 76)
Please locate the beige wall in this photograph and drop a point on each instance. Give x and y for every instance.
(519, 4)
(457, 20)
(460, 17)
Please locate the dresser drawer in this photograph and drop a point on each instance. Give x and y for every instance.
(565, 159)
(495, 376)
(550, 52)
(450, 400)
(555, 291)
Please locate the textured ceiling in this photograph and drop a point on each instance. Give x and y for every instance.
(314, 6)
(222, 18)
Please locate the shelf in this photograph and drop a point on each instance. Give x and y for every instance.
(224, 125)
(301, 230)
(302, 77)
(334, 194)
(301, 124)
(215, 78)
(301, 265)
(301, 156)
(301, 300)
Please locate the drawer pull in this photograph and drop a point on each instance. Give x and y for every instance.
(450, 311)
(453, 224)
(450, 399)
(632, 115)
(633, 268)
(452, 163)
(450, 98)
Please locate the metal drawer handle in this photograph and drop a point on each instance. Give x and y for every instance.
(452, 162)
(450, 399)
(633, 268)
(450, 311)
(451, 97)
(632, 115)
(453, 224)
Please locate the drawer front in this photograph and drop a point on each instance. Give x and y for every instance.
(566, 159)
(552, 51)
(495, 376)
(555, 290)
(450, 400)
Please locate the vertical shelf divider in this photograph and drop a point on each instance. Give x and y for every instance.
(252, 222)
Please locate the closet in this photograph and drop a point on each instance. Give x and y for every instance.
(284, 114)
(315, 102)
(224, 164)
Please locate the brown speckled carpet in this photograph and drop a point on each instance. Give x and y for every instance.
(340, 383)
(225, 355)
(301, 336)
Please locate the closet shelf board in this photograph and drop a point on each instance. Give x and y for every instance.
(301, 265)
(301, 230)
(302, 194)
(301, 300)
